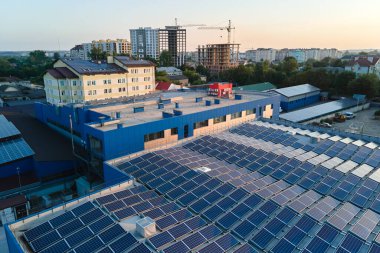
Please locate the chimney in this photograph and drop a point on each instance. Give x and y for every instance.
(208, 103)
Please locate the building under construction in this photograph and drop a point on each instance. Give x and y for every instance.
(218, 57)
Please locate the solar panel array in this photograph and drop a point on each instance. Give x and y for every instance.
(255, 188)
(7, 129)
(12, 146)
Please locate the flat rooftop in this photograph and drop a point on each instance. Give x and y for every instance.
(187, 105)
(259, 187)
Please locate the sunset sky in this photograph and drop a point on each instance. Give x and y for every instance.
(53, 24)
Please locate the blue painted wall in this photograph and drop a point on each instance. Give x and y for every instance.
(10, 169)
(127, 140)
(13, 245)
(296, 104)
(49, 168)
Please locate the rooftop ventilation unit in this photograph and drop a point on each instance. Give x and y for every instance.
(102, 118)
(146, 227)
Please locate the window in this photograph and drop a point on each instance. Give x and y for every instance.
(62, 83)
(201, 124)
(75, 92)
(74, 83)
(154, 136)
(146, 79)
(94, 92)
(88, 83)
(105, 91)
(62, 92)
(93, 82)
(135, 79)
(104, 81)
(174, 131)
(236, 115)
(109, 90)
(146, 70)
(220, 119)
(249, 112)
(109, 81)
(89, 92)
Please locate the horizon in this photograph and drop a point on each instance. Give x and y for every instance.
(285, 24)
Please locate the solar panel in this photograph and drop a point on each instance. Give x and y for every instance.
(161, 239)
(37, 231)
(79, 237)
(123, 243)
(90, 245)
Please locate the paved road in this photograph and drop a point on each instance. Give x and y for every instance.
(365, 119)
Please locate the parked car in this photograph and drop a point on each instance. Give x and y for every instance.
(325, 124)
(349, 115)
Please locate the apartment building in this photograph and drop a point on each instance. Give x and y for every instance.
(80, 81)
(173, 40)
(144, 43)
(261, 54)
(111, 47)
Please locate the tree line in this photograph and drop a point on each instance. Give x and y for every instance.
(31, 68)
(327, 74)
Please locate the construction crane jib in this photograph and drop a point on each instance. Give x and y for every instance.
(229, 28)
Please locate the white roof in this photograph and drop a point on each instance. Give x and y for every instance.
(376, 175)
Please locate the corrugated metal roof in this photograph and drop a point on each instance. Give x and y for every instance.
(297, 90)
(310, 113)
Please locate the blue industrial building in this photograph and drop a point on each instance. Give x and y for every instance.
(112, 130)
(259, 187)
(299, 96)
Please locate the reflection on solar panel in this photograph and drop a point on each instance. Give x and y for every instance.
(265, 191)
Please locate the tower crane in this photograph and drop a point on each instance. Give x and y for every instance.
(187, 25)
(229, 28)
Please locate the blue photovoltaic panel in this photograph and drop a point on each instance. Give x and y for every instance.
(37, 231)
(123, 243)
(90, 246)
(161, 239)
(60, 246)
(13, 150)
(79, 237)
(7, 129)
(44, 241)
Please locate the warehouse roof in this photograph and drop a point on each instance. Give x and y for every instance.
(297, 90)
(317, 111)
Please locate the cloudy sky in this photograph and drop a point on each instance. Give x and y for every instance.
(53, 24)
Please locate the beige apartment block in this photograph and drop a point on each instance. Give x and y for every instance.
(80, 81)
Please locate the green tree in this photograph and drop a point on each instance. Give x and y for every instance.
(97, 54)
(166, 59)
(341, 82)
(365, 84)
(289, 65)
(193, 76)
(162, 76)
